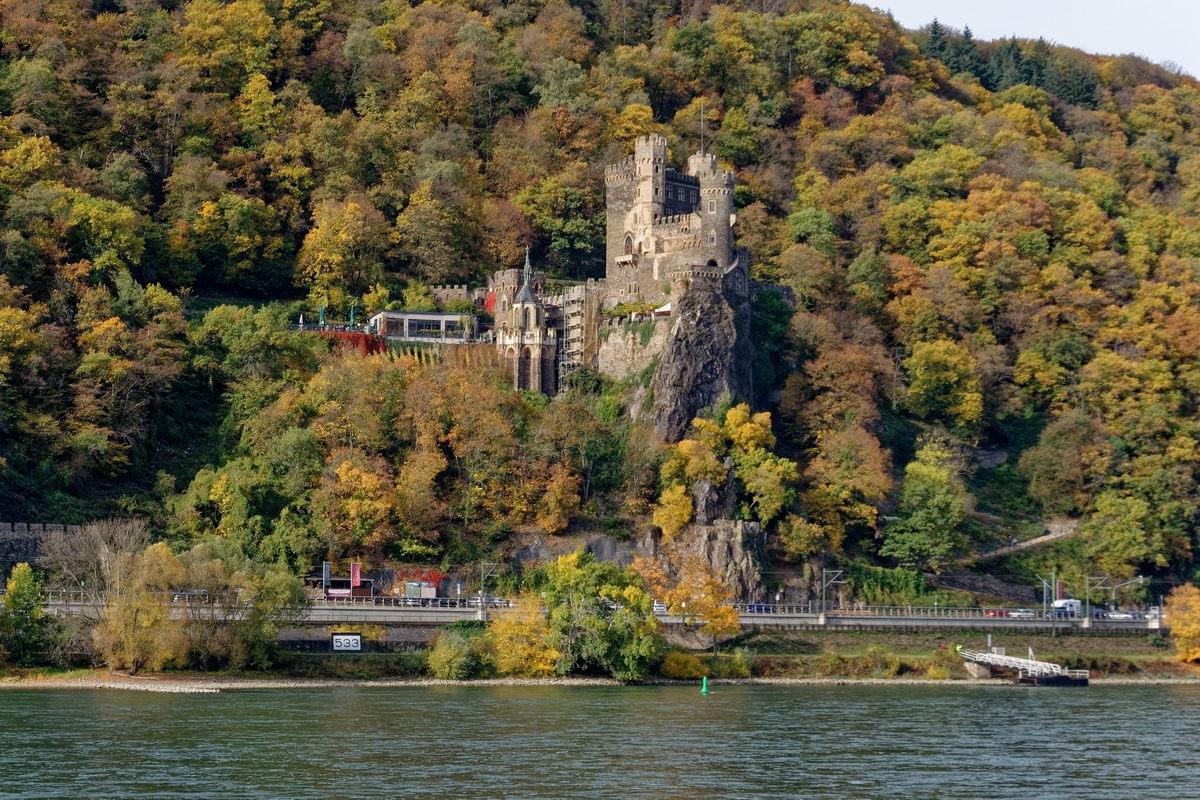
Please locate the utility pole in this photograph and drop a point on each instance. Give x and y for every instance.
(486, 568)
(1094, 582)
(828, 578)
(1047, 587)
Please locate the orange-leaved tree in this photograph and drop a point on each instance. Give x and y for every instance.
(693, 592)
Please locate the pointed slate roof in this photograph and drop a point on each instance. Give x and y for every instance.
(526, 293)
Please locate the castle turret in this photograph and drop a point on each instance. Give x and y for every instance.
(525, 341)
(715, 211)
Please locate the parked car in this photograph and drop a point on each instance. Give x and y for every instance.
(660, 607)
(1021, 613)
(491, 601)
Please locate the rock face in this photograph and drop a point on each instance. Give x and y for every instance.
(723, 545)
(707, 356)
(964, 581)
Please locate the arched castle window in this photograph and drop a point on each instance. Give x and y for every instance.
(528, 323)
(712, 206)
(523, 369)
(628, 244)
(712, 238)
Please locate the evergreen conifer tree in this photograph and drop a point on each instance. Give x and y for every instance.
(936, 46)
(967, 57)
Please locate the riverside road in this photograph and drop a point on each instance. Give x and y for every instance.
(444, 611)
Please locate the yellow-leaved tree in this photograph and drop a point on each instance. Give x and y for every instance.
(519, 635)
(691, 592)
(137, 630)
(767, 481)
(1183, 612)
(674, 509)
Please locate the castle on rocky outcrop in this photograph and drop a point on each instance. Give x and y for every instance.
(669, 233)
(665, 226)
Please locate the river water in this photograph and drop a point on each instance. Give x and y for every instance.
(666, 743)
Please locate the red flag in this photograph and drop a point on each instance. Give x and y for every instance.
(355, 574)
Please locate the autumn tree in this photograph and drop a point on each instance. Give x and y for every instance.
(519, 635)
(692, 592)
(345, 249)
(137, 631)
(1182, 609)
(766, 482)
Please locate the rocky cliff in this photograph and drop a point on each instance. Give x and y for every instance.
(707, 356)
(724, 546)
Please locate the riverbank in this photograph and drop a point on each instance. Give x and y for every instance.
(188, 683)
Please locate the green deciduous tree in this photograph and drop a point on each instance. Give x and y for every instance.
(943, 384)
(25, 630)
(600, 619)
(933, 503)
(1123, 533)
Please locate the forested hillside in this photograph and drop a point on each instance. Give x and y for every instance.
(994, 247)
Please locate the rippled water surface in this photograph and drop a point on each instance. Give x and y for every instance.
(605, 742)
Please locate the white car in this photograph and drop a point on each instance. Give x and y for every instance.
(1119, 615)
(1021, 613)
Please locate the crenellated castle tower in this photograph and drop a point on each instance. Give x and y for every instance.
(661, 221)
(669, 233)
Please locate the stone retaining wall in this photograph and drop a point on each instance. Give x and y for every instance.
(20, 541)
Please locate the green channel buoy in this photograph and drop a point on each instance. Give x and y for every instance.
(704, 686)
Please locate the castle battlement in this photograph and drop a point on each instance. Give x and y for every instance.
(696, 271)
(622, 170)
(674, 219)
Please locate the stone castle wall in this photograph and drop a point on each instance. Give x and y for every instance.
(20, 541)
(622, 354)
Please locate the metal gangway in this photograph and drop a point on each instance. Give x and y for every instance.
(1024, 666)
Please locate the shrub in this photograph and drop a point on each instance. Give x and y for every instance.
(942, 665)
(682, 667)
(451, 658)
(773, 666)
(739, 665)
(938, 672)
(828, 664)
(876, 662)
